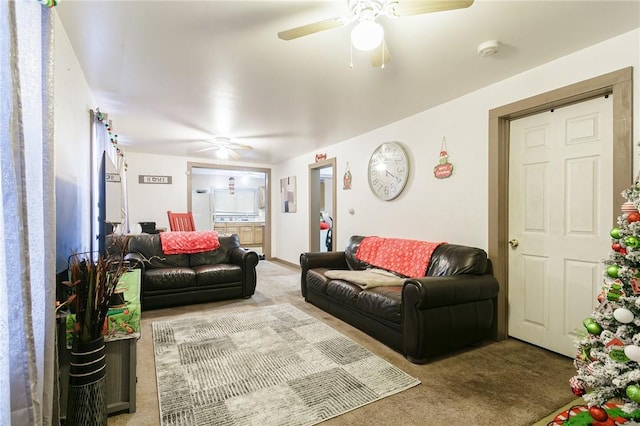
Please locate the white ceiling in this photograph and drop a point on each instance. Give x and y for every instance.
(172, 73)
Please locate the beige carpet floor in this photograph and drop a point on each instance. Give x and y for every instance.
(498, 383)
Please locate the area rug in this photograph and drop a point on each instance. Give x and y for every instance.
(273, 365)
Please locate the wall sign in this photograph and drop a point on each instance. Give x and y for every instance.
(113, 177)
(444, 168)
(154, 179)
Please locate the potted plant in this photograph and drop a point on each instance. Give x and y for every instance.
(93, 280)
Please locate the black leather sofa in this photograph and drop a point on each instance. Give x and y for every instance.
(179, 279)
(452, 306)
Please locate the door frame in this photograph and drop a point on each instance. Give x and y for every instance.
(619, 84)
(314, 203)
(266, 241)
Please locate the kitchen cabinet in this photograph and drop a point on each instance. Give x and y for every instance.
(250, 233)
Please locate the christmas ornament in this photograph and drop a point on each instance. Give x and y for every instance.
(632, 241)
(592, 326)
(623, 315)
(444, 168)
(615, 233)
(628, 207)
(598, 414)
(616, 246)
(632, 352)
(577, 386)
(618, 355)
(615, 291)
(612, 271)
(633, 392)
(633, 217)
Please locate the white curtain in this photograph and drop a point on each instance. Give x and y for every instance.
(27, 220)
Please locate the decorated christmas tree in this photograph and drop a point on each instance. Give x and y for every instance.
(608, 356)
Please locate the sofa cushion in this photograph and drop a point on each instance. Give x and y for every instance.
(350, 254)
(221, 255)
(148, 245)
(207, 275)
(383, 302)
(174, 279)
(453, 259)
(343, 291)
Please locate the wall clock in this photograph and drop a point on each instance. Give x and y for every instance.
(388, 170)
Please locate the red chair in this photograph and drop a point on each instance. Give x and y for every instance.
(181, 221)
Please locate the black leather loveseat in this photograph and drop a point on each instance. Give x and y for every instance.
(450, 307)
(180, 279)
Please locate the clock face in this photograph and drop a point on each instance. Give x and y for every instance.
(388, 170)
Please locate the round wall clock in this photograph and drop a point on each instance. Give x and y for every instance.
(388, 170)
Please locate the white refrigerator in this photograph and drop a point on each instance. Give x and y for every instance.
(202, 210)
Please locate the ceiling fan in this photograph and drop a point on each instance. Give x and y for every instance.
(224, 147)
(368, 34)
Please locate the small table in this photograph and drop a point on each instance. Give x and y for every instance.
(121, 336)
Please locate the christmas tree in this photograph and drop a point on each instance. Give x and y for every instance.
(608, 356)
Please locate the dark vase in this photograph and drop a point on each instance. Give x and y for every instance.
(87, 400)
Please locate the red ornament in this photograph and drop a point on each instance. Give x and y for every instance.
(633, 217)
(598, 414)
(616, 246)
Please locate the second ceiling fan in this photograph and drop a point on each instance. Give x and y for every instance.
(368, 34)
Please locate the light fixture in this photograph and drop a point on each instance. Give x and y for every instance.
(222, 153)
(367, 35)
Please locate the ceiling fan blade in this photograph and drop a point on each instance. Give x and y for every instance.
(207, 149)
(380, 56)
(310, 28)
(233, 154)
(238, 146)
(418, 7)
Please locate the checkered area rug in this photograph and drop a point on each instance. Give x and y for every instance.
(273, 365)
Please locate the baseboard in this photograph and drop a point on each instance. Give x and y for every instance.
(290, 265)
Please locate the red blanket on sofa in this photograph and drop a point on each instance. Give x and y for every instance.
(407, 257)
(185, 242)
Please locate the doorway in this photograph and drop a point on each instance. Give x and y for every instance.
(322, 205)
(232, 199)
(618, 84)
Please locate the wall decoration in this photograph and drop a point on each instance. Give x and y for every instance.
(444, 168)
(154, 179)
(347, 178)
(321, 157)
(288, 194)
(232, 185)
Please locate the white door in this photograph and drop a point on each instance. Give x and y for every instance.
(560, 195)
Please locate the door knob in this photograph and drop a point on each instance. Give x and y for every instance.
(514, 243)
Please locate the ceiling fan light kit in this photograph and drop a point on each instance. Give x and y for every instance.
(368, 33)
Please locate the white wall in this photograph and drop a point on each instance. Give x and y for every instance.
(150, 202)
(453, 209)
(72, 100)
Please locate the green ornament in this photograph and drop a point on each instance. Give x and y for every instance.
(594, 328)
(632, 241)
(633, 392)
(619, 355)
(615, 233)
(612, 271)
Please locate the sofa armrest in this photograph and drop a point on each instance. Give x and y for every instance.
(432, 292)
(312, 260)
(441, 314)
(136, 261)
(247, 260)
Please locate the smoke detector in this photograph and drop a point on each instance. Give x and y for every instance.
(488, 48)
